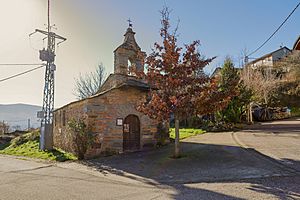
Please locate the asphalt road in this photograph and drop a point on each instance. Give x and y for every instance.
(279, 140)
(261, 162)
(21, 179)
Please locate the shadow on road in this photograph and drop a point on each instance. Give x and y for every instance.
(203, 163)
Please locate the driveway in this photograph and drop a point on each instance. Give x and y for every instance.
(279, 140)
(258, 163)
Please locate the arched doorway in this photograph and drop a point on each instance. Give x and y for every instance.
(131, 133)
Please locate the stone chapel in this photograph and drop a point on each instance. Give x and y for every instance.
(111, 114)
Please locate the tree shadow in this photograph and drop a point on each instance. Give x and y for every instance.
(59, 156)
(287, 191)
(201, 163)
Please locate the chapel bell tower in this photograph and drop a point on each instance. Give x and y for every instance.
(128, 55)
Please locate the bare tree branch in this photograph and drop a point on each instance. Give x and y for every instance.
(264, 83)
(89, 84)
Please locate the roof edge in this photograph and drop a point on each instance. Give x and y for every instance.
(266, 55)
(97, 95)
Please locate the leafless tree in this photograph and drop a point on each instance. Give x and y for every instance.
(290, 84)
(89, 84)
(263, 82)
(4, 128)
(290, 65)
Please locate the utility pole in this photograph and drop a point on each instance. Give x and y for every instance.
(249, 111)
(3, 127)
(28, 124)
(246, 60)
(48, 56)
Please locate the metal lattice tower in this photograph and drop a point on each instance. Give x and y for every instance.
(48, 56)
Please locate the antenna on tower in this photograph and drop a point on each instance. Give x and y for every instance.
(48, 55)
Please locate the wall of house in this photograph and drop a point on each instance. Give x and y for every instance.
(280, 54)
(268, 61)
(101, 113)
(62, 137)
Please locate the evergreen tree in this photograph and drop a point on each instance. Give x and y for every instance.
(241, 96)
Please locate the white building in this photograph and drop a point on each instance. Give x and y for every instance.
(269, 59)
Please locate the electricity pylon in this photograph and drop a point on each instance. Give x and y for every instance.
(48, 55)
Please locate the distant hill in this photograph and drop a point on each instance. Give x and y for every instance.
(17, 115)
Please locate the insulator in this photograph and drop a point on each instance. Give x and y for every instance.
(53, 67)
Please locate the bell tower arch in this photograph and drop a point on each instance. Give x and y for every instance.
(128, 55)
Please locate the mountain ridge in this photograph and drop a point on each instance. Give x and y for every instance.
(17, 115)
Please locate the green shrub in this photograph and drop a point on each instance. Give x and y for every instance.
(82, 138)
(295, 111)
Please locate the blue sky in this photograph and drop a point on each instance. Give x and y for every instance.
(224, 27)
(94, 28)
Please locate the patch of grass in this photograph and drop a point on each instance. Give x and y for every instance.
(185, 132)
(28, 145)
(22, 139)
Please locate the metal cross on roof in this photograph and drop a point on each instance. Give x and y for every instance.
(129, 21)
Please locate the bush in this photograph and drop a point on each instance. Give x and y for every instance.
(295, 111)
(219, 126)
(82, 138)
(163, 134)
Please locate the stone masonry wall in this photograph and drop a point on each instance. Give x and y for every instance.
(100, 114)
(103, 113)
(62, 137)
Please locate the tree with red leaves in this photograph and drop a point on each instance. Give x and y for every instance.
(179, 84)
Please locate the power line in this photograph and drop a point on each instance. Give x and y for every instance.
(19, 64)
(21, 120)
(25, 72)
(276, 30)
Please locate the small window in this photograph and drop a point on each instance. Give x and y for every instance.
(130, 67)
(128, 63)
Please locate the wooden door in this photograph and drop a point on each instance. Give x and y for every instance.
(131, 133)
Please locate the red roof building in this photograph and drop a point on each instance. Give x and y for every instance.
(297, 44)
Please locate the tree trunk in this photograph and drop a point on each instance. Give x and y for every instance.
(247, 114)
(266, 99)
(177, 147)
(250, 113)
